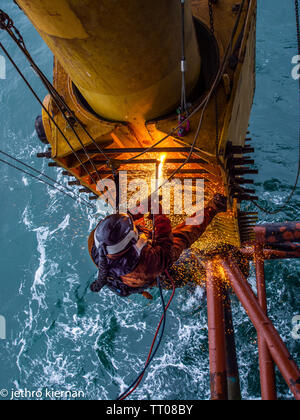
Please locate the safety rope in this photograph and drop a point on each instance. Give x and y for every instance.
(7, 24)
(46, 110)
(14, 33)
(205, 102)
(212, 30)
(183, 110)
(78, 199)
(82, 200)
(291, 195)
(183, 59)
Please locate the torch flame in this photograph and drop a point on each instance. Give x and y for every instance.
(161, 166)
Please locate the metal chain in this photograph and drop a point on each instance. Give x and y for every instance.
(7, 24)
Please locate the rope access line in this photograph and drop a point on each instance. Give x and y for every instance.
(6, 24)
(50, 116)
(18, 39)
(205, 102)
(82, 200)
(45, 109)
(45, 182)
(162, 323)
(183, 60)
(291, 195)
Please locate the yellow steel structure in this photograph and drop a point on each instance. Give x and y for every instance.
(123, 56)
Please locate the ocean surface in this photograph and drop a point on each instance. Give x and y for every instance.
(61, 337)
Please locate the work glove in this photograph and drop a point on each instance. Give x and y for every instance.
(102, 273)
(96, 287)
(219, 203)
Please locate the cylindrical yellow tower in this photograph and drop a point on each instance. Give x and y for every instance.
(123, 55)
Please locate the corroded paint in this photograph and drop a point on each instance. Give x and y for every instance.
(278, 233)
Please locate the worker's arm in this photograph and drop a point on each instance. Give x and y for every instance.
(169, 245)
(155, 258)
(159, 255)
(186, 235)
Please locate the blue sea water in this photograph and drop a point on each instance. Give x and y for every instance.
(60, 336)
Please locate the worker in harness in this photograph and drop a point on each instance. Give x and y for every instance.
(127, 260)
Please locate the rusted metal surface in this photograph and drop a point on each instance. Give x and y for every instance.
(264, 326)
(266, 364)
(216, 335)
(277, 233)
(273, 254)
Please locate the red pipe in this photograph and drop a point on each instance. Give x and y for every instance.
(277, 233)
(266, 364)
(271, 254)
(216, 335)
(233, 378)
(263, 325)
